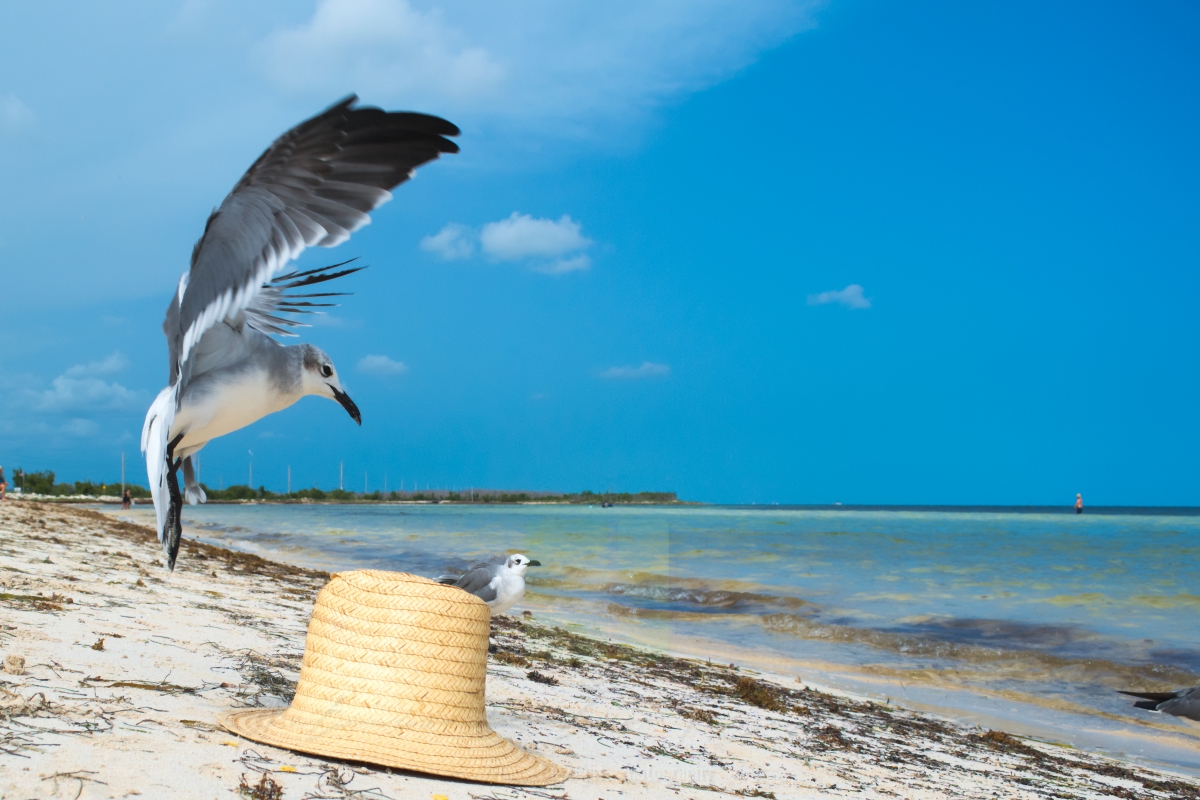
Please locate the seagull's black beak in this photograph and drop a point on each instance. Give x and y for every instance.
(534, 563)
(347, 403)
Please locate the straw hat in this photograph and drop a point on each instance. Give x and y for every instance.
(393, 674)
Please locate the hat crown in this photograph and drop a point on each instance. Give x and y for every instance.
(398, 644)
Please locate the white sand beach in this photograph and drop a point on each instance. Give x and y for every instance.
(115, 672)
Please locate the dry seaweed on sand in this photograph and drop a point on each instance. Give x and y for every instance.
(538, 677)
(266, 788)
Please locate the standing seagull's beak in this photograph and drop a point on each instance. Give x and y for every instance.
(534, 563)
(347, 403)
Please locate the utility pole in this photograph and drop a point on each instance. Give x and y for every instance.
(251, 452)
(364, 483)
(341, 474)
(289, 478)
(122, 474)
(385, 481)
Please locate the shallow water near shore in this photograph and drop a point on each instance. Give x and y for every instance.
(1026, 621)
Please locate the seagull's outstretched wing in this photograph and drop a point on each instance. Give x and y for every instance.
(313, 187)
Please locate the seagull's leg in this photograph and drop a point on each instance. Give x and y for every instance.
(174, 532)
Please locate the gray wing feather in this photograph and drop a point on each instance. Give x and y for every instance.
(313, 186)
(478, 582)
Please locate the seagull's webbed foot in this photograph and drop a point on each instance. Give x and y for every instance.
(174, 531)
(192, 489)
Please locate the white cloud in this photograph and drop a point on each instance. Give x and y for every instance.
(646, 370)
(83, 388)
(382, 48)
(544, 65)
(522, 236)
(564, 265)
(14, 114)
(851, 297)
(321, 319)
(86, 394)
(381, 366)
(451, 243)
(553, 247)
(80, 428)
(110, 365)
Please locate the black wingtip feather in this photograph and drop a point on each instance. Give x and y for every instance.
(1155, 697)
(300, 274)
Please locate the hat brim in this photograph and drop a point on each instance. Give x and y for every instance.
(485, 757)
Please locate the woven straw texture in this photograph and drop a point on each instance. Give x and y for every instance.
(393, 674)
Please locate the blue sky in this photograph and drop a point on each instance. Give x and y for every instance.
(773, 252)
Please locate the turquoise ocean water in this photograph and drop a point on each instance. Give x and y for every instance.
(1023, 621)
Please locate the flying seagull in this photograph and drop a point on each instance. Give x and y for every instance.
(314, 186)
(500, 585)
(1183, 703)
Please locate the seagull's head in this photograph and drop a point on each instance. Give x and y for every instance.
(517, 563)
(320, 378)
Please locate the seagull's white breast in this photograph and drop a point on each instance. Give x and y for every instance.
(222, 402)
(510, 588)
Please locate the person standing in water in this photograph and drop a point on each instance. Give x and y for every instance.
(1078, 503)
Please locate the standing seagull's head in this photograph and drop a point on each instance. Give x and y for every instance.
(320, 378)
(517, 563)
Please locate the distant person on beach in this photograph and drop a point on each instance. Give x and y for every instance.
(3, 484)
(1078, 503)
(126, 500)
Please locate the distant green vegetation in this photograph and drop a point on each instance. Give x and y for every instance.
(243, 492)
(43, 483)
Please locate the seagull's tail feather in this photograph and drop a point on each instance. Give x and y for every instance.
(154, 448)
(448, 580)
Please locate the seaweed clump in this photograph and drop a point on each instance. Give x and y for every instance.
(762, 694)
(267, 788)
(538, 677)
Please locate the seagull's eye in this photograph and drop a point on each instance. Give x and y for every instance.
(326, 370)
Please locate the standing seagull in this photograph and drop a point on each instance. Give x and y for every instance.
(501, 586)
(313, 186)
(1184, 703)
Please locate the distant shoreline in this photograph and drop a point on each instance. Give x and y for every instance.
(1165, 511)
(275, 501)
(1153, 511)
